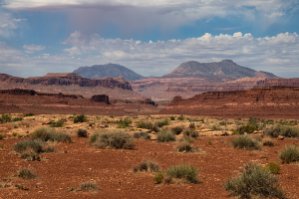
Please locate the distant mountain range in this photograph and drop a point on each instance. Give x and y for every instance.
(224, 70)
(71, 84)
(188, 79)
(107, 70)
(191, 78)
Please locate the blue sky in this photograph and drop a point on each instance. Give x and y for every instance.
(150, 37)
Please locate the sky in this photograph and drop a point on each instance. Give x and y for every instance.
(149, 37)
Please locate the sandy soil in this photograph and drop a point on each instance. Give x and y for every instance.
(72, 164)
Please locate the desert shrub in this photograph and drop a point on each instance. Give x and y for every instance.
(124, 123)
(181, 117)
(289, 154)
(177, 130)
(117, 140)
(165, 136)
(285, 131)
(5, 118)
(254, 181)
(183, 172)
(250, 127)
(80, 118)
(145, 125)
(1, 136)
(21, 187)
(57, 123)
(17, 119)
(192, 126)
(49, 134)
(88, 186)
(147, 166)
(245, 142)
(33, 145)
(191, 133)
(268, 142)
(159, 178)
(26, 174)
(143, 135)
(172, 118)
(28, 115)
(185, 147)
(162, 123)
(30, 156)
(273, 168)
(82, 133)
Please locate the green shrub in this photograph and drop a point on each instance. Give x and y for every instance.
(82, 133)
(145, 125)
(5, 118)
(268, 142)
(273, 168)
(80, 118)
(177, 130)
(146, 166)
(21, 187)
(251, 126)
(185, 147)
(181, 117)
(17, 119)
(183, 172)
(34, 145)
(143, 135)
(117, 140)
(57, 123)
(285, 131)
(88, 186)
(30, 156)
(159, 178)
(254, 181)
(124, 123)
(49, 134)
(245, 142)
(162, 123)
(26, 174)
(289, 154)
(172, 118)
(192, 126)
(191, 133)
(165, 136)
(28, 115)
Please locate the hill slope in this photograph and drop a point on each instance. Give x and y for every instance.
(72, 84)
(221, 71)
(107, 70)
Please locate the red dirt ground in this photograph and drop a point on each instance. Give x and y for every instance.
(78, 162)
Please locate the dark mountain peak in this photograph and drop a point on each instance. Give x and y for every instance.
(107, 70)
(224, 70)
(228, 61)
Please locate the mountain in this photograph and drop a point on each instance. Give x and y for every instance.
(71, 83)
(107, 70)
(221, 71)
(191, 78)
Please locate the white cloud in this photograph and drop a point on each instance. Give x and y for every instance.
(134, 14)
(8, 24)
(32, 48)
(277, 54)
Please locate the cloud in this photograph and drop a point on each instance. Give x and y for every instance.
(277, 54)
(8, 25)
(32, 48)
(140, 15)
